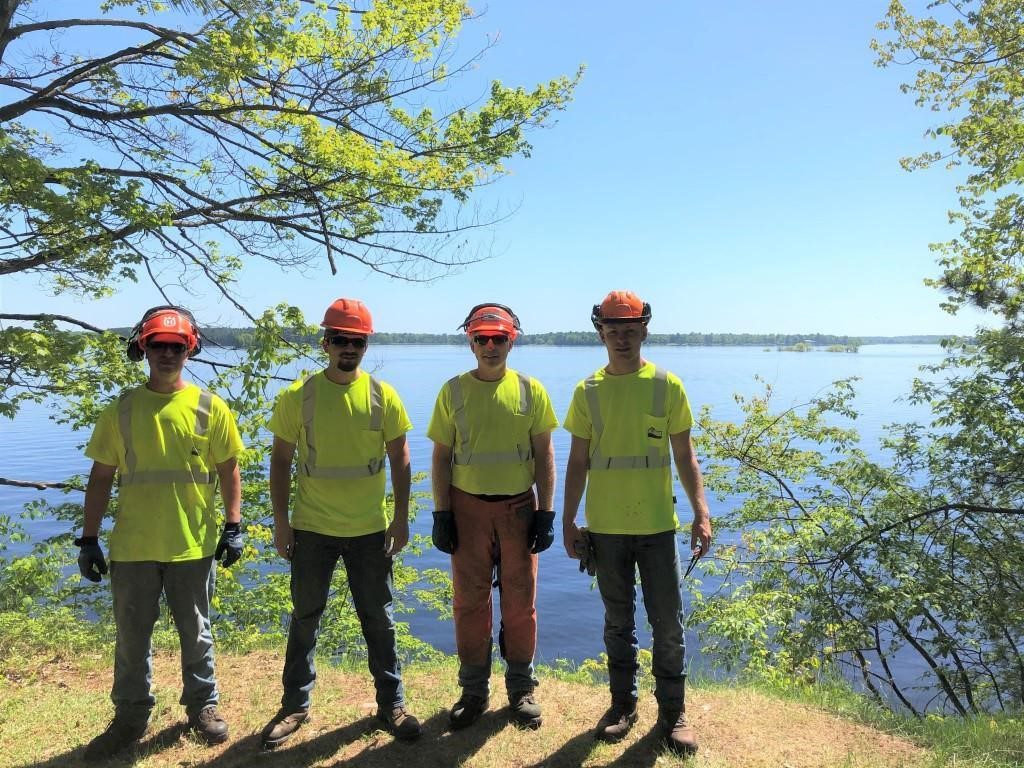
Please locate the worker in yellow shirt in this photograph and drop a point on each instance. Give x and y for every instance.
(491, 429)
(170, 443)
(628, 421)
(341, 423)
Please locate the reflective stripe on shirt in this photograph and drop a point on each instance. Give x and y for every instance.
(310, 468)
(132, 476)
(657, 456)
(462, 455)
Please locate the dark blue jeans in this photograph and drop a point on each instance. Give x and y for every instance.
(369, 578)
(619, 556)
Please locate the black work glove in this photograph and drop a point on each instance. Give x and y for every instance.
(91, 563)
(230, 545)
(542, 531)
(443, 533)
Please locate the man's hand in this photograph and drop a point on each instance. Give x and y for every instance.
(230, 545)
(571, 538)
(284, 540)
(445, 537)
(396, 537)
(700, 536)
(542, 531)
(91, 563)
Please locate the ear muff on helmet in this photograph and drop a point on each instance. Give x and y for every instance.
(620, 307)
(134, 349)
(476, 317)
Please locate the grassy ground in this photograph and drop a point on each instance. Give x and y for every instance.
(51, 707)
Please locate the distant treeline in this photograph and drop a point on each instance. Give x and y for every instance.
(241, 337)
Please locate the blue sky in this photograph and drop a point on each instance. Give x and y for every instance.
(736, 164)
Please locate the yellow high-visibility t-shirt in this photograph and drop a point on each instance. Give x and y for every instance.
(495, 427)
(334, 506)
(168, 521)
(633, 501)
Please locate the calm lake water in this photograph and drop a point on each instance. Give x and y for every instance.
(570, 615)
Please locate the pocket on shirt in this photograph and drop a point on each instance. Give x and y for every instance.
(656, 429)
(199, 459)
(521, 433)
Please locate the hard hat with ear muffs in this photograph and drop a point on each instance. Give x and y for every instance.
(620, 307)
(164, 323)
(492, 317)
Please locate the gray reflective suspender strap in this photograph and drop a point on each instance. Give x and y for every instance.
(310, 467)
(131, 475)
(656, 457)
(203, 412)
(462, 455)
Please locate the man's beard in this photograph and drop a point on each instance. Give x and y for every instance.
(347, 365)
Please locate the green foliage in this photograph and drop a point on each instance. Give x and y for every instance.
(970, 70)
(841, 561)
(229, 132)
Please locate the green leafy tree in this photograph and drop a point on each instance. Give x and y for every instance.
(207, 134)
(174, 143)
(838, 561)
(970, 72)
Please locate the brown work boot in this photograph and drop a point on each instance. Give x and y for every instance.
(401, 723)
(466, 711)
(616, 722)
(678, 735)
(119, 735)
(281, 727)
(209, 725)
(525, 709)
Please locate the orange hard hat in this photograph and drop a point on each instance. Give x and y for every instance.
(621, 307)
(496, 318)
(169, 325)
(349, 315)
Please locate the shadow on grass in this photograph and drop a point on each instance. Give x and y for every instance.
(575, 752)
(437, 748)
(647, 749)
(571, 754)
(150, 745)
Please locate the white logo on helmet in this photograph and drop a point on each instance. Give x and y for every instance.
(170, 321)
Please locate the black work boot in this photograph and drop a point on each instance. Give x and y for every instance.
(676, 731)
(209, 725)
(400, 722)
(525, 709)
(466, 711)
(617, 721)
(281, 727)
(119, 735)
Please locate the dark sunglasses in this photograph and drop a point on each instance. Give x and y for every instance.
(344, 341)
(160, 346)
(498, 340)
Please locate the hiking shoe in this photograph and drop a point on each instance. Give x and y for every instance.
(677, 733)
(281, 727)
(525, 709)
(466, 711)
(617, 721)
(119, 735)
(209, 725)
(401, 723)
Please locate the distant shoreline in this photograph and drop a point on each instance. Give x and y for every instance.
(241, 337)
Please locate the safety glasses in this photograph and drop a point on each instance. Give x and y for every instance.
(347, 341)
(170, 346)
(497, 340)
